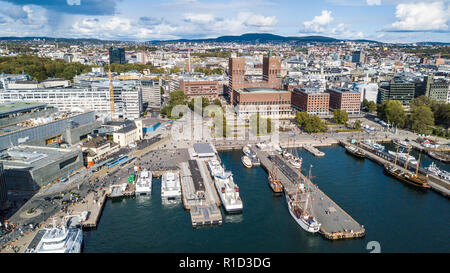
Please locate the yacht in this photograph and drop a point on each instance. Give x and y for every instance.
(295, 162)
(170, 186)
(277, 148)
(144, 183)
(403, 144)
(60, 239)
(228, 191)
(404, 156)
(247, 161)
(433, 169)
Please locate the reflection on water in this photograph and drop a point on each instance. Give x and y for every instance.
(171, 203)
(232, 218)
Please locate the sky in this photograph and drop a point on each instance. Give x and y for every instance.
(143, 20)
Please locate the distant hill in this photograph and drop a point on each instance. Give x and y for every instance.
(261, 38)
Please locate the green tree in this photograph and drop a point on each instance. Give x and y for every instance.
(269, 125)
(372, 106)
(217, 102)
(301, 117)
(392, 111)
(314, 125)
(340, 116)
(421, 118)
(358, 125)
(365, 104)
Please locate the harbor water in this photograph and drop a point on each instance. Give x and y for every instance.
(399, 217)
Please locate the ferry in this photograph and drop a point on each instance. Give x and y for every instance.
(214, 167)
(170, 186)
(355, 151)
(298, 210)
(228, 192)
(247, 161)
(60, 239)
(144, 183)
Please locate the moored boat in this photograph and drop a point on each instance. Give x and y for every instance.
(246, 161)
(355, 151)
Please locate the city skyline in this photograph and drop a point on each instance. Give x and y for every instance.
(380, 20)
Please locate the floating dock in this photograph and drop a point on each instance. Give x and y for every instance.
(313, 150)
(202, 215)
(336, 223)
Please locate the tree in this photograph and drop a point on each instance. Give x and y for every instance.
(392, 111)
(217, 102)
(365, 104)
(269, 125)
(421, 118)
(314, 125)
(441, 113)
(301, 117)
(358, 125)
(340, 116)
(420, 101)
(372, 106)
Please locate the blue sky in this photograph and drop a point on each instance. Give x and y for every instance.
(382, 20)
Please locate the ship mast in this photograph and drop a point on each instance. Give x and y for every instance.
(418, 162)
(396, 155)
(407, 158)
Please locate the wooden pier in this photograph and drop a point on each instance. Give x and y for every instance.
(208, 214)
(313, 150)
(336, 223)
(94, 206)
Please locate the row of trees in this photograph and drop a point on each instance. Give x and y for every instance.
(369, 105)
(208, 71)
(310, 123)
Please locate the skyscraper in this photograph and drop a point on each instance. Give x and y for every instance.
(117, 55)
(358, 57)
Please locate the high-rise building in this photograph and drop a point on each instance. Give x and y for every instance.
(151, 93)
(117, 55)
(436, 89)
(358, 57)
(236, 71)
(272, 71)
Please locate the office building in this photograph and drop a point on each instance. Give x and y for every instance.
(151, 93)
(311, 100)
(436, 89)
(358, 57)
(204, 88)
(345, 99)
(396, 89)
(117, 55)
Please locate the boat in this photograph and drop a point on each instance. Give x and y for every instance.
(298, 208)
(247, 161)
(214, 167)
(439, 156)
(170, 186)
(374, 145)
(228, 191)
(277, 148)
(404, 157)
(295, 162)
(355, 151)
(144, 183)
(286, 154)
(433, 169)
(60, 239)
(401, 143)
(274, 182)
(404, 175)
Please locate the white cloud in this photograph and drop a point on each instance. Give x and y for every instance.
(373, 2)
(257, 20)
(199, 18)
(421, 16)
(319, 23)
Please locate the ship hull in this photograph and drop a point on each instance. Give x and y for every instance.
(356, 154)
(301, 222)
(405, 180)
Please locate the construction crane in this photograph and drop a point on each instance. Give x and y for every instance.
(111, 93)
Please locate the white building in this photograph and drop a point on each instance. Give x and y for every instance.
(369, 91)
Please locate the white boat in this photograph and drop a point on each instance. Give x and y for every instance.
(144, 183)
(300, 214)
(170, 186)
(286, 154)
(403, 144)
(214, 167)
(261, 145)
(433, 169)
(296, 162)
(405, 156)
(277, 148)
(228, 191)
(247, 161)
(246, 151)
(62, 239)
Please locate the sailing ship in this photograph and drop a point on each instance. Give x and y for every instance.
(404, 175)
(274, 182)
(298, 208)
(355, 151)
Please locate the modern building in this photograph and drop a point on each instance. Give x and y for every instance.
(151, 94)
(194, 88)
(271, 76)
(345, 99)
(117, 55)
(28, 168)
(311, 100)
(3, 190)
(358, 57)
(369, 91)
(91, 96)
(17, 112)
(396, 89)
(436, 89)
(267, 101)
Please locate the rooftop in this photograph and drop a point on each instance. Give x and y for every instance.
(15, 107)
(31, 156)
(203, 148)
(261, 90)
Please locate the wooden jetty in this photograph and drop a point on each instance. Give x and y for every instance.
(336, 223)
(94, 206)
(313, 150)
